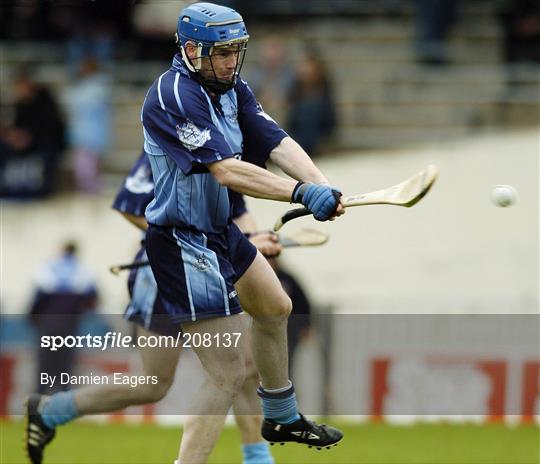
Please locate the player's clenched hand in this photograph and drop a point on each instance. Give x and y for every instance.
(322, 200)
(339, 211)
(267, 243)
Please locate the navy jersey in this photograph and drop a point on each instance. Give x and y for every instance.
(238, 204)
(184, 130)
(137, 191)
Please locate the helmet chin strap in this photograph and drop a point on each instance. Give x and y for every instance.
(217, 86)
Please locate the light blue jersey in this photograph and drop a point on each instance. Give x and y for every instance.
(184, 130)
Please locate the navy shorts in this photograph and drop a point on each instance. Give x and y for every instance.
(195, 273)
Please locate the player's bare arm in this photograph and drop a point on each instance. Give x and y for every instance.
(291, 158)
(137, 221)
(252, 180)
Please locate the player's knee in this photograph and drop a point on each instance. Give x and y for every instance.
(153, 392)
(232, 373)
(286, 305)
(237, 375)
(282, 307)
(160, 390)
(238, 381)
(278, 308)
(250, 368)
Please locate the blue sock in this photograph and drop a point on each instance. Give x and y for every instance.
(257, 453)
(279, 405)
(59, 409)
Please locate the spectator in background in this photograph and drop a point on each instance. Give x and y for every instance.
(23, 20)
(272, 78)
(91, 28)
(64, 290)
(90, 24)
(32, 145)
(434, 20)
(89, 106)
(298, 328)
(520, 21)
(153, 21)
(312, 116)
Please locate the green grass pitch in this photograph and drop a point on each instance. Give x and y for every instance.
(82, 443)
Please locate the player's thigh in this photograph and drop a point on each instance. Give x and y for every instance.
(260, 291)
(218, 343)
(160, 361)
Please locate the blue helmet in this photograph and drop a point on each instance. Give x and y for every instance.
(209, 25)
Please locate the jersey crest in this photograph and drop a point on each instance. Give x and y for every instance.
(201, 263)
(191, 136)
(141, 181)
(233, 117)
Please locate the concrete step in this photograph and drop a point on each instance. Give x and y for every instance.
(468, 73)
(387, 30)
(355, 137)
(429, 95)
(380, 115)
(402, 52)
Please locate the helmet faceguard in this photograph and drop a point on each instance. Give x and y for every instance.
(211, 29)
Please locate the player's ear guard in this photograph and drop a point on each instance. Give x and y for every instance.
(322, 200)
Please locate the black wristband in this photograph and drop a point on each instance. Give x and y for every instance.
(337, 195)
(295, 190)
